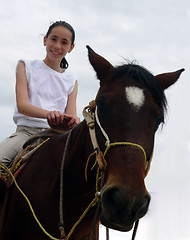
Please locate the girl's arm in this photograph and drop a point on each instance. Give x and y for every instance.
(24, 107)
(70, 110)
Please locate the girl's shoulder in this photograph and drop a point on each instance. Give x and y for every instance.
(28, 62)
(31, 66)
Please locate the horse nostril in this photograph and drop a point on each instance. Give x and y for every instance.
(113, 199)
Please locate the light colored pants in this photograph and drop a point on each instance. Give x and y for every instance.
(12, 145)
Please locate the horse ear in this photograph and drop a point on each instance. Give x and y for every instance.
(100, 64)
(167, 79)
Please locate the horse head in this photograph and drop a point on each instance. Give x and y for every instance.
(130, 105)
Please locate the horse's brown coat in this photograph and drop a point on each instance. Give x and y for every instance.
(124, 197)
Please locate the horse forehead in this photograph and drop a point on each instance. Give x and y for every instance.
(135, 96)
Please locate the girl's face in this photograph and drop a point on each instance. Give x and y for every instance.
(58, 43)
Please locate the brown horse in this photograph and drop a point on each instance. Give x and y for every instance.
(130, 105)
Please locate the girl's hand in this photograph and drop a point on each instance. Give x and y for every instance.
(74, 120)
(55, 117)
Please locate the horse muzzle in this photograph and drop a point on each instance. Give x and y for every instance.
(119, 210)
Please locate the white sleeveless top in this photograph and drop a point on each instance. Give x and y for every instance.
(47, 89)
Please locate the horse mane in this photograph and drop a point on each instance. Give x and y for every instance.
(143, 77)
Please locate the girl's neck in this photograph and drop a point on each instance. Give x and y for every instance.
(53, 65)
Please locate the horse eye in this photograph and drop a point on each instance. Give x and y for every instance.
(101, 105)
(158, 120)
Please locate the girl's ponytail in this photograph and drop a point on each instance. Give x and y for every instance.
(64, 64)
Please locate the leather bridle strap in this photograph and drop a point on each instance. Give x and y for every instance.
(90, 121)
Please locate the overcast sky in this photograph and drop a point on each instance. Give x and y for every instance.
(154, 33)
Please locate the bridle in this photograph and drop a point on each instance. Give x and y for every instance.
(90, 114)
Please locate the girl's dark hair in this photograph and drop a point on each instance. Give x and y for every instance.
(64, 64)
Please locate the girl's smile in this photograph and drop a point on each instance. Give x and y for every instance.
(55, 53)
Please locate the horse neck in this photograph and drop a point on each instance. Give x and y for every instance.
(79, 149)
(80, 138)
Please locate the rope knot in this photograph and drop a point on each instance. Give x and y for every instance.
(100, 159)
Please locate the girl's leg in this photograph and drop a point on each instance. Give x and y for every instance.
(12, 145)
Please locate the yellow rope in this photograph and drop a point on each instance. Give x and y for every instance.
(86, 167)
(125, 144)
(92, 204)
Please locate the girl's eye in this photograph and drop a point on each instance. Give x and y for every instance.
(158, 120)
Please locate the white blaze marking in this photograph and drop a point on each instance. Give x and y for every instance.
(135, 96)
